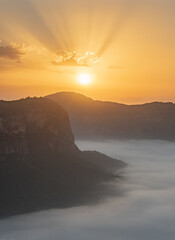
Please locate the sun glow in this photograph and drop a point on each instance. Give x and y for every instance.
(84, 78)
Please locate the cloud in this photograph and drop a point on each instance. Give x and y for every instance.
(11, 52)
(114, 67)
(76, 59)
(145, 210)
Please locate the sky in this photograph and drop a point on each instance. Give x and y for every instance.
(125, 47)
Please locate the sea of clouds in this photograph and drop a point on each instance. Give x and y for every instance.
(144, 210)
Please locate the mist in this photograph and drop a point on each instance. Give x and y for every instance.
(145, 209)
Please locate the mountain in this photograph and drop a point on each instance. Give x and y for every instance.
(40, 165)
(33, 125)
(91, 119)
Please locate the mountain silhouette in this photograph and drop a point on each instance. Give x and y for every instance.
(92, 119)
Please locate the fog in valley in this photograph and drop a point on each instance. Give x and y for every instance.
(144, 210)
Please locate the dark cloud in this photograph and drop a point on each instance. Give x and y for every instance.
(11, 52)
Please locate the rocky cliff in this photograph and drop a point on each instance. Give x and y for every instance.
(33, 125)
(40, 166)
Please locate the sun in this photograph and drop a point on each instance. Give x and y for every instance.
(84, 78)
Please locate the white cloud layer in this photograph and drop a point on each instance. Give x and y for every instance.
(144, 210)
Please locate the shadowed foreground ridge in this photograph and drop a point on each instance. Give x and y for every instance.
(91, 119)
(40, 166)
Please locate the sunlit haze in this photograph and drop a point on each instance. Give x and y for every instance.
(84, 78)
(87, 119)
(126, 45)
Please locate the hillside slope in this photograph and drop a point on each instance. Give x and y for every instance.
(92, 119)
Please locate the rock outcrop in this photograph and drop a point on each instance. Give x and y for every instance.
(34, 125)
(40, 165)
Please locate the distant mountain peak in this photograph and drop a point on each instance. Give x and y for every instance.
(71, 96)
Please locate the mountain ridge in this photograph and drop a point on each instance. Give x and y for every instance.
(94, 119)
(73, 94)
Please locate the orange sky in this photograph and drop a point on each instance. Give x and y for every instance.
(127, 47)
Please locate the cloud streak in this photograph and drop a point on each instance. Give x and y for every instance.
(11, 52)
(115, 67)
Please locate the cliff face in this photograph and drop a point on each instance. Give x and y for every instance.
(34, 125)
(40, 166)
(92, 119)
